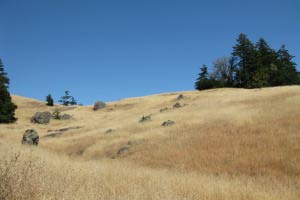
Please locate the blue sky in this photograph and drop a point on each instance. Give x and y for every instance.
(107, 50)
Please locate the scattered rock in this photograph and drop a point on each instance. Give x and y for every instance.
(55, 134)
(69, 128)
(60, 132)
(65, 129)
(164, 109)
(30, 137)
(145, 118)
(177, 105)
(168, 123)
(123, 150)
(41, 118)
(99, 105)
(109, 130)
(180, 97)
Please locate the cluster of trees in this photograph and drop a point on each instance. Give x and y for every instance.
(250, 66)
(7, 107)
(66, 100)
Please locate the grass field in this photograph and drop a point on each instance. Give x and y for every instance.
(233, 144)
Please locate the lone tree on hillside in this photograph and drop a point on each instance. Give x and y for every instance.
(67, 99)
(49, 99)
(73, 101)
(7, 107)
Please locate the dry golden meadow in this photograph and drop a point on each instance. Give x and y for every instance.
(227, 144)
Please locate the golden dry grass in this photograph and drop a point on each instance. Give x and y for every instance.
(226, 144)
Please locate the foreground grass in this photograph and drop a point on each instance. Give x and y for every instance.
(226, 144)
(35, 174)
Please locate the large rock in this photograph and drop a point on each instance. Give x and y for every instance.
(30, 137)
(41, 118)
(99, 105)
(168, 123)
(60, 132)
(123, 150)
(109, 131)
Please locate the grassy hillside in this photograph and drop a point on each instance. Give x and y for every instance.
(226, 144)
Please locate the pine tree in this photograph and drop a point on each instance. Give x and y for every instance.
(67, 99)
(246, 55)
(287, 72)
(203, 81)
(7, 107)
(49, 99)
(266, 70)
(73, 101)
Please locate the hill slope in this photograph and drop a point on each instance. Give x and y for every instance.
(226, 144)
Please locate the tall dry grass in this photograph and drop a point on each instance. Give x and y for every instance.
(226, 144)
(36, 174)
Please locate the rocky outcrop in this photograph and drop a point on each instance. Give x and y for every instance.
(123, 150)
(168, 123)
(109, 131)
(30, 137)
(41, 118)
(99, 105)
(60, 132)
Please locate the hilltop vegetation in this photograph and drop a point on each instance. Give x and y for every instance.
(250, 66)
(225, 144)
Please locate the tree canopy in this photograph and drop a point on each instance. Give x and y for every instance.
(251, 66)
(7, 107)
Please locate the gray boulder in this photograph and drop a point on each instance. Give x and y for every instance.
(123, 150)
(54, 134)
(30, 137)
(168, 123)
(109, 131)
(41, 118)
(99, 105)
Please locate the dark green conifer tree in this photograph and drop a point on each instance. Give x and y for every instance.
(246, 56)
(7, 107)
(73, 101)
(287, 72)
(67, 99)
(203, 81)
(49, 100)
(265, 71)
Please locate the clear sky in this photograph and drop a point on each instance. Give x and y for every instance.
(112, 49)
